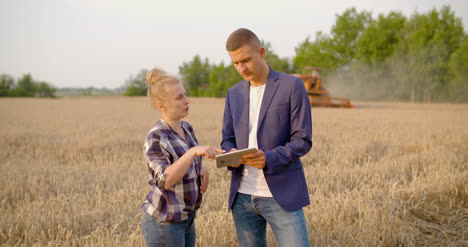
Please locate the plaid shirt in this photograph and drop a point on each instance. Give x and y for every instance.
(163, 147)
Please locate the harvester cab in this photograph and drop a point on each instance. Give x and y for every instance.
(318, 95)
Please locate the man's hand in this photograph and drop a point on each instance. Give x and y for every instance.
(256, 159)
(205, 179)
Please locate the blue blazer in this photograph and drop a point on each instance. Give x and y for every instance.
(284, 134)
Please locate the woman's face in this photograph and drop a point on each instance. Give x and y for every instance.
(176, 105)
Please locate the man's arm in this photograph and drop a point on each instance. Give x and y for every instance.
(228, 135)
(301, 133)
(228, 142)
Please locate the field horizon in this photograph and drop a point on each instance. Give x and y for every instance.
(382, 174)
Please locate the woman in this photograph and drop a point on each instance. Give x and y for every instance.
(177, 178)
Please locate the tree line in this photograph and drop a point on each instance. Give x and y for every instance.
(421, 58)
(25, 86)
(203, 79)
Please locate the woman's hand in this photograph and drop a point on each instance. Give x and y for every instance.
(207, 151)
(205, 179)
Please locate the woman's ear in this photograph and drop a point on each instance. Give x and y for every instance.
(160, 105)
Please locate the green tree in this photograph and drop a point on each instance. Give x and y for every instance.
(136, 85)
(25, 87)
(221, 78)
(392, 57)
(317, 53)
(421, 59)
(277, 63)
(378, 41)
(457, 89)
(7, 83)
(369, 76)
(45, 90)
(338, 50)
(88, 91)
(345, 33)
(195, 74)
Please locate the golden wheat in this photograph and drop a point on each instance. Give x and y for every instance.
(383, 174)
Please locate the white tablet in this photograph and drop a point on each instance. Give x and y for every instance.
(232, 158)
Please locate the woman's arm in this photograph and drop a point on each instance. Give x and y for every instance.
(175, 172)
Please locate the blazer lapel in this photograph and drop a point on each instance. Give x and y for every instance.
(270, 90)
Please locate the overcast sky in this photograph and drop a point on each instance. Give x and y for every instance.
(100, 43)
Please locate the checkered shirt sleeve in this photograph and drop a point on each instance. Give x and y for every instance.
(163, 147)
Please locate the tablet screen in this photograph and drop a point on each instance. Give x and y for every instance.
(232, 158)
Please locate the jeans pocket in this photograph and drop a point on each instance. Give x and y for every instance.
(152, 231)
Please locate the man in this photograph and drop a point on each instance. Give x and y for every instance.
(269, 111)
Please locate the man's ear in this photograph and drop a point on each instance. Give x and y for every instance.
(262, 52)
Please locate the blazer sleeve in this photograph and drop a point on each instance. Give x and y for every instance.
(287, 156)
(228, 135)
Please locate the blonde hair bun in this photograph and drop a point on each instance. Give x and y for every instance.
(157, 79)
(155, 75)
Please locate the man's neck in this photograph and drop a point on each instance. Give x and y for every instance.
(263, 78)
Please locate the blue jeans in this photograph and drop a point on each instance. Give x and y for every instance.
(251, 214)
(168, 234)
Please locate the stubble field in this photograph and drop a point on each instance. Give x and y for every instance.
(383, 174)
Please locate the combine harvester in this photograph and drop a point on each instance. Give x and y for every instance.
(318, 95)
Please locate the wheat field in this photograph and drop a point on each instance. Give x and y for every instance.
(382, 174)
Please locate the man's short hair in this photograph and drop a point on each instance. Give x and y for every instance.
(240, 37)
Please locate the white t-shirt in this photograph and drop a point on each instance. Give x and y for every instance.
(253, 181)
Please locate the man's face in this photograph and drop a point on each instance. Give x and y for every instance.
(249, 61)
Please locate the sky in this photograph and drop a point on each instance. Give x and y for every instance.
(101, 43)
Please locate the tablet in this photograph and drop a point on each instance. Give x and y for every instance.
(232, 158)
